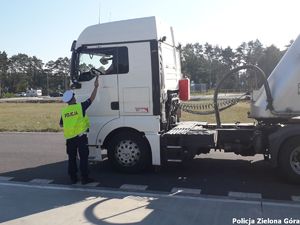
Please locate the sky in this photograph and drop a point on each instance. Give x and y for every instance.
(46, 28)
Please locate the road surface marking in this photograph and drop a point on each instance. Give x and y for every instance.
(296, 198)
(41, 181)
(93, 184)
(5, 178)
(145, 194)
(244, 195)
(133, 187)
(178, 190)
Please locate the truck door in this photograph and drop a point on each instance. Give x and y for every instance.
(135, 84)
(106, 105)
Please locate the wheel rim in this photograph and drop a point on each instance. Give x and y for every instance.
(127, 153)
(295, 160)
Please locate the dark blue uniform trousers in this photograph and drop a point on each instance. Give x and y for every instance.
(78, 146)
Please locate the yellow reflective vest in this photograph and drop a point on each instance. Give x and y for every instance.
(74, 123)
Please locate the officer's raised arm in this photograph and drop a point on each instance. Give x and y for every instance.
(94, 93)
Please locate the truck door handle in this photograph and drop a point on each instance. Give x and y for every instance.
(114, 105)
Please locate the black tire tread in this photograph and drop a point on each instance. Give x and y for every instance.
(141, 142)
(284, 160)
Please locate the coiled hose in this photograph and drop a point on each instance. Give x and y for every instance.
(208, 108)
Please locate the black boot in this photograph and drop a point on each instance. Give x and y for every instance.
(74, 179)
(87, 180)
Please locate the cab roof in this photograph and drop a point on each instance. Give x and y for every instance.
(133, 30)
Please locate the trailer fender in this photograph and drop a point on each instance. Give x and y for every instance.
(278, 138)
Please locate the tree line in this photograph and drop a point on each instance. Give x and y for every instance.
(201, 63)
(208, 64)
(21, 72)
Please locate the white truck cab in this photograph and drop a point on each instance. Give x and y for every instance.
(137, 97)
(134, 116)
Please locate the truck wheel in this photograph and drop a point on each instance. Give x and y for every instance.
(289, 160)
(129, 152)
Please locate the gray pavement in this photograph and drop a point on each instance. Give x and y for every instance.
(32, 157)
(22, 203)
(21, 150)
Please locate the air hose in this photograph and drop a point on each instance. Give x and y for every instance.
(265, 83)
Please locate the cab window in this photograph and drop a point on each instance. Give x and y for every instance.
(107, 60)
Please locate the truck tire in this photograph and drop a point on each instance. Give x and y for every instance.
(289, 160)
(129, 152)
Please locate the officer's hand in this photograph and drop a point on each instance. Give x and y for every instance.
(102, 70)
(96, 84)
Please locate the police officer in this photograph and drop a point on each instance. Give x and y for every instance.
(75, 123)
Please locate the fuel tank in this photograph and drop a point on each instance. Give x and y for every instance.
(284, 83)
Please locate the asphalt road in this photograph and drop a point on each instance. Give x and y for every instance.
(28, 156)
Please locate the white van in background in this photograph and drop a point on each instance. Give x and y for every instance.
(34, 93)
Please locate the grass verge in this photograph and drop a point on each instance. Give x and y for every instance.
(37, 117)
(237, 113)
(44, 117)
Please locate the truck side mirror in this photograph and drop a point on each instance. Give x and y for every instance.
(163, 39)
(73, 46)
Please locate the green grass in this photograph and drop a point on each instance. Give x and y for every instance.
(237, 113)
(208, 92)
(30, 116)
(45, 116)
